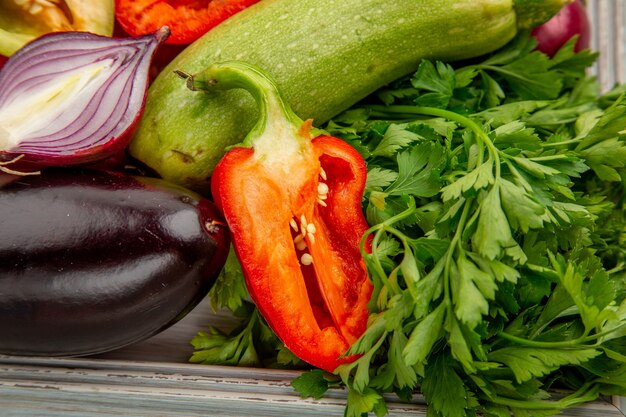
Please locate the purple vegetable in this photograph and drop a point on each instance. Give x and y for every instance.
(571, 20)
(91, 261)
(73, 97)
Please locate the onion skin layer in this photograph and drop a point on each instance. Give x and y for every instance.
(91, 261)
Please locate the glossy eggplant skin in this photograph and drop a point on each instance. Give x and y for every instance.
(91, 261)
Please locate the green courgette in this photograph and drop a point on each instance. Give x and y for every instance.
(325, 55)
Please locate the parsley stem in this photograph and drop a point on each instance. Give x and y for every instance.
(377, 230)
(561, 143)
(617, 268)
(450, 253)
(548, 158)
(481, 136)
(540, 344)
(392, 286)
(503, 70)
(577, 343)
(587, 392)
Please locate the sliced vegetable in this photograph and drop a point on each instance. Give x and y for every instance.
(324, 56)
(188, 19)
(73, 97)
(293, 207)
(21, 21)
(496, 198)
(571, 21)
(91, 261)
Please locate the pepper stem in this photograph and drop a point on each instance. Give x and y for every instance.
(275, 115)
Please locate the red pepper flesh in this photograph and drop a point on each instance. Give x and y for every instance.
(187, 19)
(294, 209)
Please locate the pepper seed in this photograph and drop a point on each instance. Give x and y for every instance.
(301, 245)
(300, 242)
(306, 259)
(303, 225)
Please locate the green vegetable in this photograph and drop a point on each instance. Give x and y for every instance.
(496, 195)
(325, 55)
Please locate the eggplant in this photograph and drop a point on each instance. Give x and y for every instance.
(91, 261)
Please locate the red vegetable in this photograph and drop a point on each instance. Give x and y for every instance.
(570, 21)
(294, 209)
(188, 19)
(73, 97)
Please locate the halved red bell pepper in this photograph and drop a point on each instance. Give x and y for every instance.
(187, 19)
(293, 205)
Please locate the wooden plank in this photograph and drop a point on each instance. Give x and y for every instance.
(97, 387)
(66, 387)
(608, 36)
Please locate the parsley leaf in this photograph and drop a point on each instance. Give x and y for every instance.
(438, 80)
(229, 290)
(312, 384)
(518, 192)
(444, 389)
(418, 171)
(527, 363)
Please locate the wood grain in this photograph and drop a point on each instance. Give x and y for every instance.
(608, 36)
(98, 387)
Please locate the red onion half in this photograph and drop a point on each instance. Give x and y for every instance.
(73, 97)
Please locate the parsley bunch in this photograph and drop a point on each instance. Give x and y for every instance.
(495, 195)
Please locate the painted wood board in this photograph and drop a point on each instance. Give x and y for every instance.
(98, 387)
(608, 36)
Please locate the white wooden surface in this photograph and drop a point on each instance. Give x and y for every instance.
(117, 388)
(152, 378)
(98, 387)
(608, 19)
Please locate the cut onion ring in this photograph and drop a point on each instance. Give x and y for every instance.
(73, 98)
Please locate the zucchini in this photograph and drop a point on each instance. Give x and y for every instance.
(325, 55)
